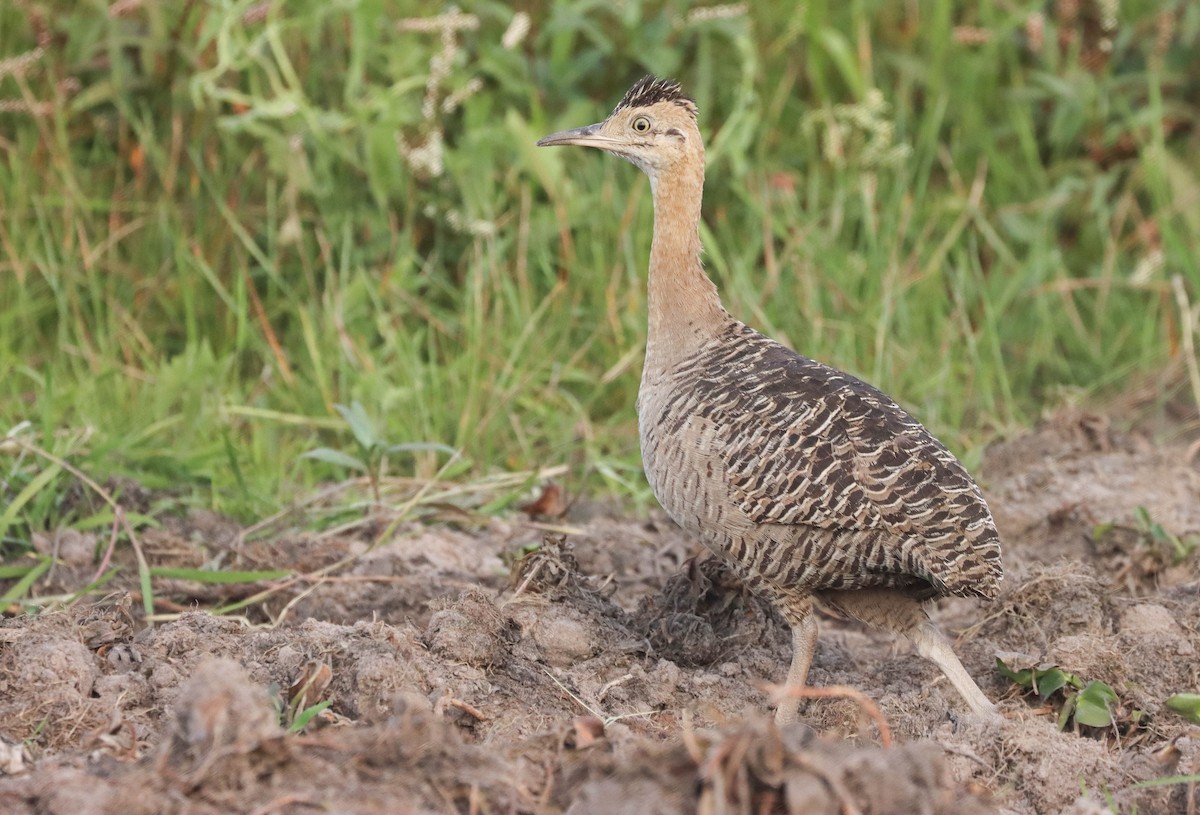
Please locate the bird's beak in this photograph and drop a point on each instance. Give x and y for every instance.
(586, 136)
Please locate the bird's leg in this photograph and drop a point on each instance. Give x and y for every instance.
(895, 611)
(932, 645)
(804, 643)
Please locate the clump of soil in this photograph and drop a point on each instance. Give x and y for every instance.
(472, 631)
(754, 767)
(223, 733)
(496, 669)
(62, 671)
(704, 615)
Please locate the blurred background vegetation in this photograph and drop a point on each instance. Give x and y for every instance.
(220, 219)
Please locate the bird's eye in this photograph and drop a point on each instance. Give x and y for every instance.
(641, 124)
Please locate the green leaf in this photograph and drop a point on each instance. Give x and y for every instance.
(35, 485)
(360, 424)
(1064, 715)
(1093, 705)
(22, 586)
(507, 499)
(9, 571)
(1141, 517)
(146, 586)
(104, 519)
(336, 457)
(1101, 530)
(1184, 546)
(305, 716)
(1023, 677)
(1046, 682)
(456, 468)
(840, 52)
(421, 447)
(1167, 781)
(1186, 705)
(212, 576)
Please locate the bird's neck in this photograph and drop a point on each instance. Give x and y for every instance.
(684, 308)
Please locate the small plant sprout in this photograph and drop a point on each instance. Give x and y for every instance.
(1153, 535)
(304, 700)
(373, 450)
(295, 719)
(1084, 703)
(1186, 705)
(306, 715)
(1179, 546)
(1092, 705)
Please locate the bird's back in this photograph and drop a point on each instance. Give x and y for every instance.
(808, 477)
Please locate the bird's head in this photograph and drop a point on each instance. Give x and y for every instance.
(653, 126)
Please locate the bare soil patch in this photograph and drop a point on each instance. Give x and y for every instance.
(489, 668)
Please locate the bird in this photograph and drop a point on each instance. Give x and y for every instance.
(818, 489)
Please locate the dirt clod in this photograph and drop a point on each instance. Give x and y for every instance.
(472, 631)
(61, 673)
(220, 713)
(703, 615)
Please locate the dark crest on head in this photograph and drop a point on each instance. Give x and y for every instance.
(650, 89)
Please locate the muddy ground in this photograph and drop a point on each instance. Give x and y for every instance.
(469, 669)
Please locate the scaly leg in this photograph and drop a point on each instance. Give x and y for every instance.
(804, 643)
(932, 645)
(894, 611)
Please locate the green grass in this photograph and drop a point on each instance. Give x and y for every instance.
(209, 237)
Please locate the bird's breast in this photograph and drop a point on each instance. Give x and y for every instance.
(681, 457)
